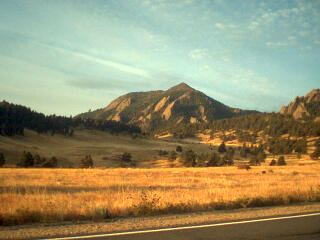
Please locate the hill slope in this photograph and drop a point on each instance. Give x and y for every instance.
(179, 104)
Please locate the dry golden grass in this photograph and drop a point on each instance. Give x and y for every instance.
(51, 195)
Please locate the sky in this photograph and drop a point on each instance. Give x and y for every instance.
(65, 57)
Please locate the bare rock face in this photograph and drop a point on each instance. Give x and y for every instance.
(302, 107)
(179, 104)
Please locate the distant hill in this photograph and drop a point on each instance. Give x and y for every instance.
(304, 107)
(179, 104)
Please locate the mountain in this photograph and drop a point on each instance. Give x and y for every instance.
(307, 106)
(179, 104)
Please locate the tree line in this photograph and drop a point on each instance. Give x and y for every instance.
(15, 118)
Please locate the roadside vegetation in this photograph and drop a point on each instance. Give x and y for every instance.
(54, 195)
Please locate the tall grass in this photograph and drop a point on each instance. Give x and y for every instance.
(52, 195)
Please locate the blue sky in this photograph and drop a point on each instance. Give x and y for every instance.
(66, 57)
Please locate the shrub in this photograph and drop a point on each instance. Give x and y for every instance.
(86, 162)
(38, 161)
(172, 156)
(254, 161)
(244, 150)
(273, 162)
(244, 166)
(2, 160)
(222, 148)
(26, 160)
(51, 163)
(189, 158)
(214, 160)
(261, 156)
(126, 160)
(316, 154)
(281, 161)
(179, 149)
(126, 157)
(162, 153)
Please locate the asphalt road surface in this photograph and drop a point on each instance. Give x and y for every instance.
(306, 227)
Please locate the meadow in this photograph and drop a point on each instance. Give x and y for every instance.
(55, 195)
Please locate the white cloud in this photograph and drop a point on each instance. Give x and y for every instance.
(292, 38)
(277, 44)
(198, 54)
(220, 26)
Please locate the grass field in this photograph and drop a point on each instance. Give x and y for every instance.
(53, 195)
(101, 145)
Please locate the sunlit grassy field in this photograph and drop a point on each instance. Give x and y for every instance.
(53, 195)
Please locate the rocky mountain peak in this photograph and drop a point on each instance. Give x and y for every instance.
(181, 87)
(179, 104)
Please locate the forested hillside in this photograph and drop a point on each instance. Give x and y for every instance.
(15, 118)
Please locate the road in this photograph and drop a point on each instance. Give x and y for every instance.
(298, 227)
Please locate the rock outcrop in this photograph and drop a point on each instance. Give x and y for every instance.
(304, 107)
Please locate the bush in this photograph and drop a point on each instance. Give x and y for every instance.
(222, 148)
(261, 156)
(2, 160)
(162, 153)
(26, 160)
(126, 160)
(51, 163)
(86, 162)
(244, 150)
(281, 161)
(273, 162)
(244, 166)
(316, 154)
(172, 156)
(254, 161)
(214, 160)
(179, 149)
(126, 157)
(189, 158)
(38, 161)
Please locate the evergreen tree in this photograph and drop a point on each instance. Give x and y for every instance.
(215, 160)
(281, 161)
(189, 158)
(222, 148)
(273, 162)
(26, 160)
(2, 160)
(126, 157)
(179, 149)
(243, 151)
(316, 153)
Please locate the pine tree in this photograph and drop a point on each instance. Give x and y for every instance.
(2, 160)
(281, 161)
(26, 160)
(189, 158)
(222, 148)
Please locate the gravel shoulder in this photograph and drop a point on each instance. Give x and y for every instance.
(149, 222)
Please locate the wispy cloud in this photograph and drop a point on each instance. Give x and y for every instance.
(108, 63)
(198, 54)
(103, 84)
